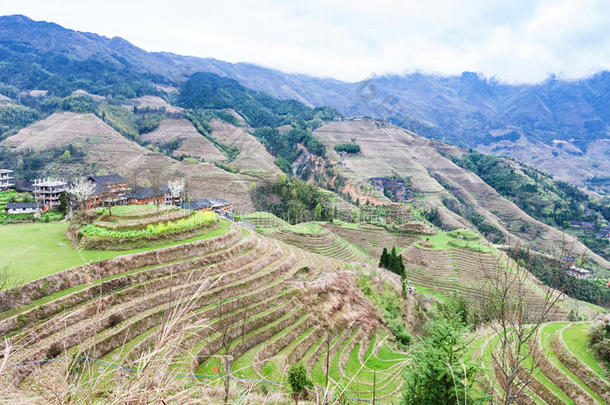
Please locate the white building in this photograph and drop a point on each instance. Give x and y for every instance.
(21, 208)
(6, 179)
(47, 192)
(578, 272)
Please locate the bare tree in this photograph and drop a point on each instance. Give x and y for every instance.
(82, 190)
(110, 197)
(176, 187)
(157, 181)
(515, 322)
(134, 181)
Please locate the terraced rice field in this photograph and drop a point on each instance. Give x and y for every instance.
(371, 238)
(192, 142)
(566, 372)
(238, 293)
(265, 220)
(317, 239)
(447, 271)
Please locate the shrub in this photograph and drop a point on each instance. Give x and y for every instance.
(297, 378)
(391, 307)
(226, 167)
(347, 147)
(599, 341)
(438, 372)
(79, 103)
(53, 351)
(22, 320)
(400, 333)
(114, 320)
(572, 316)
(149, 123)
(119, 118)
(227, 117)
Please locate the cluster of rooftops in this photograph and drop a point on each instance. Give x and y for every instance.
(111, 189)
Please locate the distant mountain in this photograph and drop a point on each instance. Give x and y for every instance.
(559, 126)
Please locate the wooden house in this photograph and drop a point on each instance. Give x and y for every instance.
(210, 204)
(147, 195)
(110, 189)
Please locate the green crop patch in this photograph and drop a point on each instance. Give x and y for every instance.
(32, 251)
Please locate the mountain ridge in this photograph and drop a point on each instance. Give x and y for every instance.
(562, 124)
(282, 129)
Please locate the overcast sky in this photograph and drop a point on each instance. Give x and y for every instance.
(513, 40)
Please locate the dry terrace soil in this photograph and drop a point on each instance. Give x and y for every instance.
(387, 150)
(108, 150)
(193, 143)
(252, 153)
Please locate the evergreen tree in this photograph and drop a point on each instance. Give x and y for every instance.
(318, 212)
(297, 378)
(438, 372)
(64, 202)
(66, 157)
(383, 262)
(393, 261)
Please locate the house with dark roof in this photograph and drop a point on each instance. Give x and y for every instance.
(21, 208)
(209, 204)
(110, 189)
(147, 195)
(587, 226)
(24, 186)
(394, 188)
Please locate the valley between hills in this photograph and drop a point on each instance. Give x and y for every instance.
(211, 243)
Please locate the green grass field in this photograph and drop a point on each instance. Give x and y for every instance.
(348, 225)
(32, 251)
(120, 210)
(306, 227)
(575, 338)
(444, 240)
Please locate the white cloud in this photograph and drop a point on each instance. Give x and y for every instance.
(516, 41)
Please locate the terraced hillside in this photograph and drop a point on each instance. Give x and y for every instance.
(241, 294)
(441, 267)
(192, 143)
(387, 150)
(311, 236)
(437, 265)
(252, 154)
(373, 239)
(105, 149)
(566, 371)
(265, 221)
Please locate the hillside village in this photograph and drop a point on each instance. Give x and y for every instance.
(55, 195)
